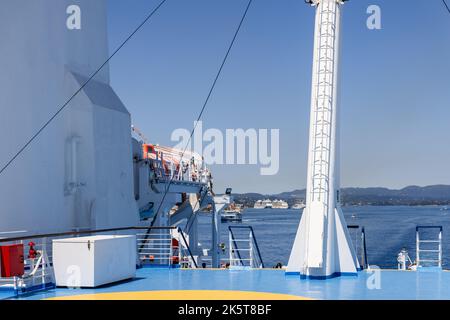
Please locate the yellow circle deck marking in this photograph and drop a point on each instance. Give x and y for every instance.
(183, 295)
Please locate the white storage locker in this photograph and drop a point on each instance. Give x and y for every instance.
(94, 261)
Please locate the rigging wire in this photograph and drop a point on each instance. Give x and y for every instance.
(208, 97)
(61, 108)
(191, 220)
(446, 5)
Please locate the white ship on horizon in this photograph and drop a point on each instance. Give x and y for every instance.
(298, 206)
(280, 204)
(263, 204)
(269, 204)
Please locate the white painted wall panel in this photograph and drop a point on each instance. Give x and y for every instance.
(38, 59)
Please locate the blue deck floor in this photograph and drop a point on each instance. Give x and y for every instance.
(393, 284)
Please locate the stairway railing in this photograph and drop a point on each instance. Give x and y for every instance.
(243, 248)
(363, 261)
(425, 248)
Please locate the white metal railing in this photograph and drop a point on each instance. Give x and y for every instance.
(429, 251)
(243, 248)
(164, 247)
(358, 235)
(155, 248)
(184, 172)
(40, 275)
(38, 268)
(38, 259)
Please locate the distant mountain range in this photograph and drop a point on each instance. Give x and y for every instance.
(412, 195)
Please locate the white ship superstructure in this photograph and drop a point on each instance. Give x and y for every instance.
(263, 204)
(298, 206)
(280, 204)
(271, 204)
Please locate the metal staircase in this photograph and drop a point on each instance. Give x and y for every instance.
(429, 251)
(243, 248)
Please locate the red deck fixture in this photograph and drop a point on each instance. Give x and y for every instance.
(12, 260)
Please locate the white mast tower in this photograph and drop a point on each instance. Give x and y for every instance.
(322, 247)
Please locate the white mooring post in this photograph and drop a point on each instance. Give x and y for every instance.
(322, 247)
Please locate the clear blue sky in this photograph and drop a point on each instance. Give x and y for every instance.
(395, 127)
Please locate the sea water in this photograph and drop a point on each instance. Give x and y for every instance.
(388, 230)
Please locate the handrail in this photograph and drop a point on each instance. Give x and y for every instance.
(235, 245)
(363, 235)
(363, 242)
(439, 242)
(187, 246)
(428, 227)
(71, 233)
(254, 240)
(257, 247)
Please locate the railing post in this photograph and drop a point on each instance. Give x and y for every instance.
(230, 249)
(16, 288)
(363, 265)
(417, 247)
(440, 248)
(251, 249)
(138, 254)
(179, 249)
(170, 248)
(44, 260)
